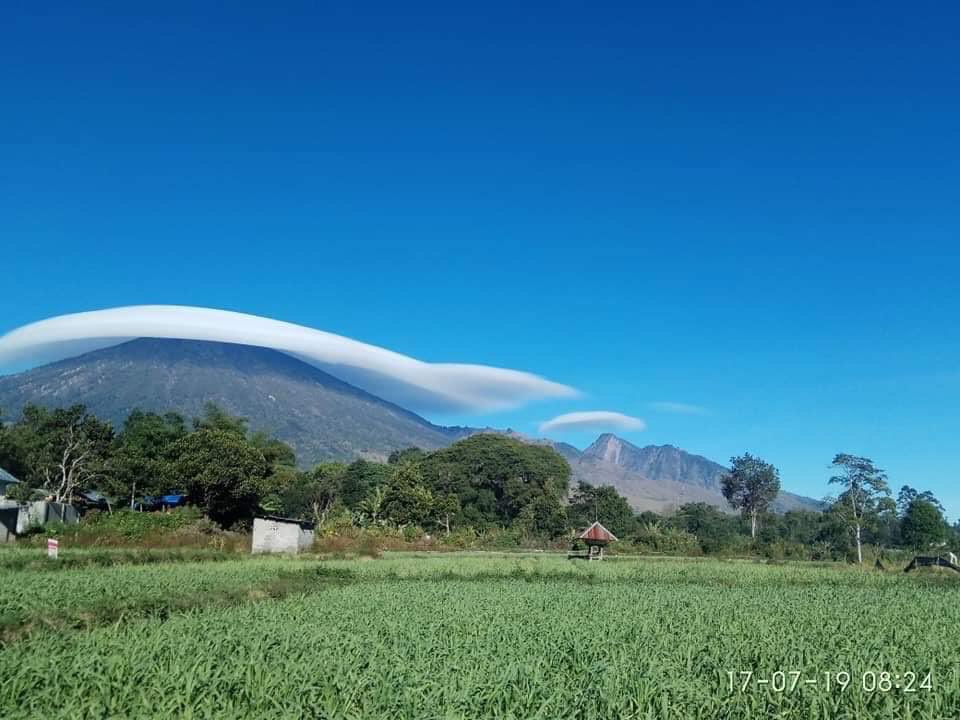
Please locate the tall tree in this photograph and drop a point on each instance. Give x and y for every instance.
(314, 494)
(908, 494)
(66, 449)
(359, 480)
(750, 486)
(603, 503)
(863, 484)
(141, 453)
(221, 472)
(923, 525)
(495, 477)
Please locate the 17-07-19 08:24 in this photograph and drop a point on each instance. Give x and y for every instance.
(869, 681)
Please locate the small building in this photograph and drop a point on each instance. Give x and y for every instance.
(596, 538)
(272, 534)
(17, 518)
(6, 480)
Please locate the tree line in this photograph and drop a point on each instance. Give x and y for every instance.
(483, 482)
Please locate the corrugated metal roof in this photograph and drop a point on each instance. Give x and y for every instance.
(305, 524)
(597, 533)
(6, 478)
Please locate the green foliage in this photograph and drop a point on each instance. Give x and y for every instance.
(863, 485)
(714, 530)
(602, 503)
(405, 499)
(412, 455)
(923, 524)
(494, 478)
(750, 486)
(141, 456)
(908, 494)
(359, 480)
(63, 450)
(220, 473)
(216, 418)
(127, 524)
(655, 537)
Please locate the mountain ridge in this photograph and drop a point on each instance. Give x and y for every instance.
(321, 416)
(325, 418)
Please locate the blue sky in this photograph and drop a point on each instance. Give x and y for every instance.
(749, 209)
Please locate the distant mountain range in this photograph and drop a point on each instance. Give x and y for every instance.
(659, 477)
(324, 418)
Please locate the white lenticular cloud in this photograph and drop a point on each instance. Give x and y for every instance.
(593, 420)
(395, 377)
(678, 408)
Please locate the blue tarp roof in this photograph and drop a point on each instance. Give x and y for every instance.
(164, 499)
(6, 478)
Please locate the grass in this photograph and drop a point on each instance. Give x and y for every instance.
(33, 601)
(490, 636)
(20, 557)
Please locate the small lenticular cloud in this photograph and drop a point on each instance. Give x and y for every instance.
(593, 420)
(678, 408)
(443, 387)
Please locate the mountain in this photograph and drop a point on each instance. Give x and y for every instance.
(324, 418)
(661, 477)
(320, 416)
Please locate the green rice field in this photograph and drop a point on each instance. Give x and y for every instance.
(478, 636)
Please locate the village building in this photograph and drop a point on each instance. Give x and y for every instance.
(272, 534)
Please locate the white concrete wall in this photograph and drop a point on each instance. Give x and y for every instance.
(306, 540)
(272, 536)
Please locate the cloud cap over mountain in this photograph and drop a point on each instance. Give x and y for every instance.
(399, 378)
(593, 420)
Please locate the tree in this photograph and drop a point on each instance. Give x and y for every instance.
(601, 503)
(884, 524)
(405, 499)
(446, 508)
(750, 486)
(923, 525)
(372, 506)
(276, 452)
(65, 449)
(863, 484)
(314, 494)
(410, 454)
(908, 494)
(141, 453)
(12, 456)
(714, 529)
(359, 480)
(220, 472)
(215, 418)
(495, 477)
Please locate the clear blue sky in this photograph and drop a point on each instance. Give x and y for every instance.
(754, 209)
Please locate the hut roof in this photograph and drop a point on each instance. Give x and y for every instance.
(597, 533)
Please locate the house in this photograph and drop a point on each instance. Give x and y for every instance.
(272, 534)
(596, 538)
(6, 480)
(16, 517)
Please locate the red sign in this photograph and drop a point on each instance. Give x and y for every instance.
(53, 548)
